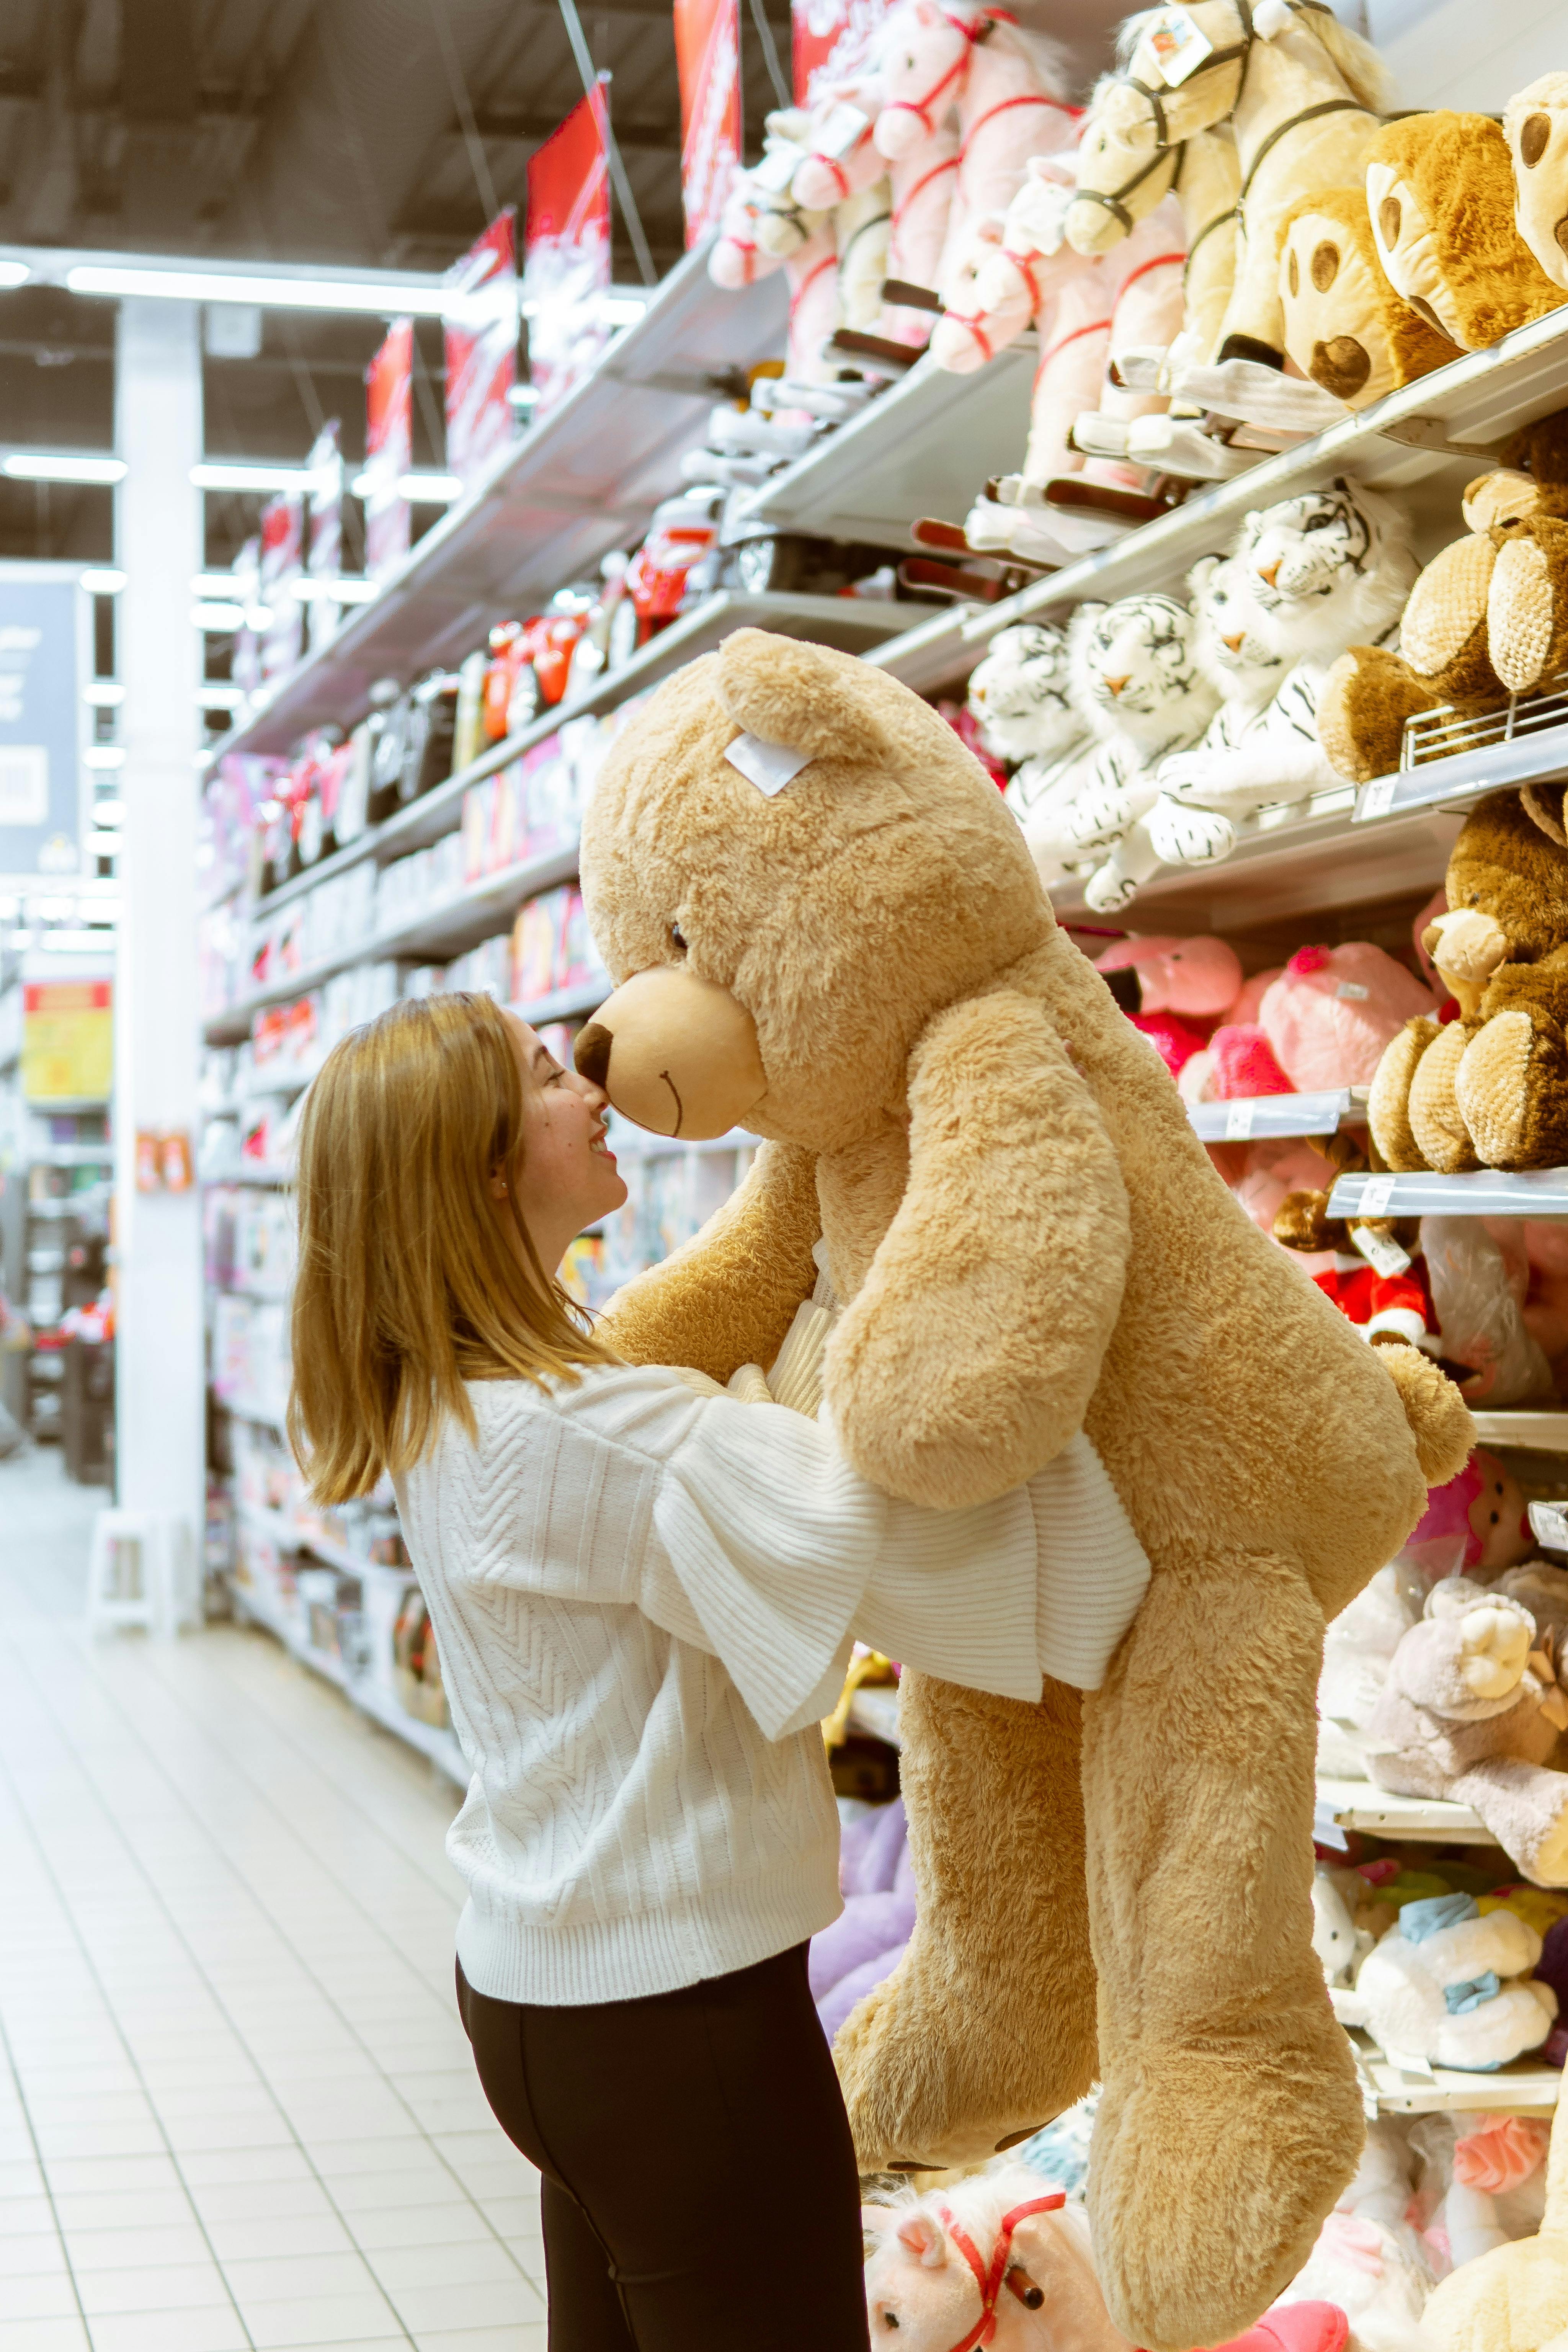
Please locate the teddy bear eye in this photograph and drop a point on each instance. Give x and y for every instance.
(678, 939)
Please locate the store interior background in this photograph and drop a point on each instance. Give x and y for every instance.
(203, 2144)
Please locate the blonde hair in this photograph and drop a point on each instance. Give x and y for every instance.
(407, 1286)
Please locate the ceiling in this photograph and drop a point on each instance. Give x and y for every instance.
(373, 131)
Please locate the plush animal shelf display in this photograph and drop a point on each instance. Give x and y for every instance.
(1471, 1709)
(1303, 96)
(1450, 1986)
(826, 923)
(1512, 2298)
(1486, 619)
(1490, 1088)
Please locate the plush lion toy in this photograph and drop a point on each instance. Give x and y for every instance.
(827, 924)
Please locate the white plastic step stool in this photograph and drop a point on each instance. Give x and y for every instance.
(128, 1574)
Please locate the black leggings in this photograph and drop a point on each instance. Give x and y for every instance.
(699, 2186)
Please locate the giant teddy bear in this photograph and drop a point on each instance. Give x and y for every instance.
(827, 923)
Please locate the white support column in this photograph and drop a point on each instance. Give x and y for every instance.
(160, 1384)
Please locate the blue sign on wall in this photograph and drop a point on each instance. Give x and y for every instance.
(43, 626)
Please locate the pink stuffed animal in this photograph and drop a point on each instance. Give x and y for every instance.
(1007, 85)
(1332, 1010)
(1237, 1062)
(1179, 984)
(844, 162)
(1000, 2260)
(1546, 1300)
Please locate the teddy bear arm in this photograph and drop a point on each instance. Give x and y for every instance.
(1367, 697)
(729, 1296)
(968, 1358)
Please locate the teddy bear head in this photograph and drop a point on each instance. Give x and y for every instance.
(1509, 864)
(1344, 324)
(790, 864)
(1019, 693)
(1535, 125)
(1439, 197)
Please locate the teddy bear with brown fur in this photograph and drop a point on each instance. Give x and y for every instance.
(826, 924)
(1486, 619)
(1490, 1089)
(1346, 325)
(1440, 197)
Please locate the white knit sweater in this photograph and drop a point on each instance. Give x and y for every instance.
(643, 1599)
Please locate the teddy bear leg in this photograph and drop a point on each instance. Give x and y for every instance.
(1224, 2070)
(1525, 1806)
(1366, 698)
(1388, 1103)
(1437, 1122)
(1511, 1088)
(954, 2057)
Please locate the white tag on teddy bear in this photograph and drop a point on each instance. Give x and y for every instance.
(1381, 1251)
(1351, 992)
(1178, 44)
(1549, 1525)
(769, 766)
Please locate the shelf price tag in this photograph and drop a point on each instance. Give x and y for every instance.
(1375, 799)
(1549, 1525)
(1376, 1194)
(1238, 1121)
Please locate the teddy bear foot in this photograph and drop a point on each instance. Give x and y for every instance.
(1509, 1089)
(922, 2065)
(1388, 1105)
(1264, 2130)
(1437, 1123)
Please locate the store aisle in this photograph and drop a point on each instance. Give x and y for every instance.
(235, 2106)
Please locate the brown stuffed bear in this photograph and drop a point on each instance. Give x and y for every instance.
(1490, 1088)
(1535, 125)
(1344, 324)
(1488, 618)
(834, 931)
(1439, 196)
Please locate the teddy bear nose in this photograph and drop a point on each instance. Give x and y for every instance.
(592, 1054)
(1115, 685)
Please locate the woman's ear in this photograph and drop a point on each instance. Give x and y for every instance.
(497, 1185)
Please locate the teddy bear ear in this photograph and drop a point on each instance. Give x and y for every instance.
(1543, 804)
(787, 692)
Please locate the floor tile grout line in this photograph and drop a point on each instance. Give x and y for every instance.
(46, 1863)
(218, 2003)
(285, 1737)
(43, 2174)
(112, 1700)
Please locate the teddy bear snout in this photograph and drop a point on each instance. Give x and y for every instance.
(1465, 944)
(1494, 1645)
(676, 1053)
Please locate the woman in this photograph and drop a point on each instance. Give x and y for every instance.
(644, 1593)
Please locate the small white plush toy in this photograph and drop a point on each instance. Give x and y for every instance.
(1340, 1946)
(1136, 681)
(1358, 1646)
(1314, 574)
(1441, 1989)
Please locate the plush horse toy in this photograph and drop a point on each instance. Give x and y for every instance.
(1303, 95)
(1008, 87)
(844, 164)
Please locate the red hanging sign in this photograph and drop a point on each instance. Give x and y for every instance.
(708, 59)
(481, 320)
(388, 449)
(566, 270)
(282, 561)
(832, 40)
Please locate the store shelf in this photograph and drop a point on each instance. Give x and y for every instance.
(378, 1705)
(566, 1005)
(1254, 1117)
(1486, 1192)
(1525, 2086)
(875, 1714)
(924, 448)
(1477, 400)
(1544, 1432)
(1425, 1821)
(583, 481)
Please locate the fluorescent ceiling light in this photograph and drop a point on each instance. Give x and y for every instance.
(78, 942)
(103, 694)
(348, 589)
(55, 910)
(216, 583)
(60, 466)
(219, 697)
(419, 490)
(103, 845)
(14, 273)
(237, 474)
(102, 581)
(105, 755)
(217, 616)
(377, 301)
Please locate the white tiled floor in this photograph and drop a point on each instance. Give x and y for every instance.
(236, 2107)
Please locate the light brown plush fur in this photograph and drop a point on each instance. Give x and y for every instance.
(1492, 1088)
(1031, 1237)
(1535, 124)
(1344, 324)
(1439, 193)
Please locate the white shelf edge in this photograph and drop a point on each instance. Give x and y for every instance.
(1426, 1821)
(1481, 1192)
(1524, 2084)
(1525, 1425)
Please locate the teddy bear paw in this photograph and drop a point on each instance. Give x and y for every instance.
(1494, 1647)
(1508, 1087)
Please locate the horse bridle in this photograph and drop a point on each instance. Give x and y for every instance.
(1115, 203)
(974, 31)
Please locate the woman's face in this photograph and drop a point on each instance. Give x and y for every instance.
(569, 1178)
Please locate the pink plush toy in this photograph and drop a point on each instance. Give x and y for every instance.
(866, 1942)
(1239, 1061)
(1546, 1300)
(1476, 1526)
(1198, 978)
(1332, 1010)
(999, 2260)
(1008, 86)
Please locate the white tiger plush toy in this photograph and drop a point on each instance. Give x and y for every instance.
(1316, 574)
(1135, 679)
(1018, 694)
